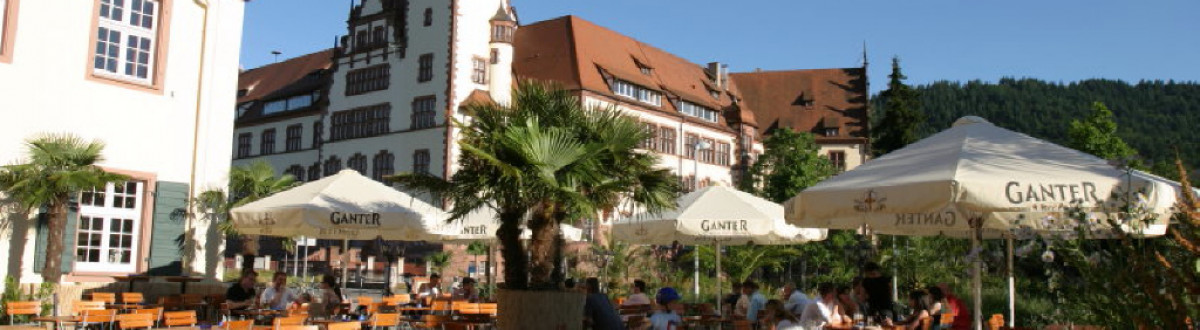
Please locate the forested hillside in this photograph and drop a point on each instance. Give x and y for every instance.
(1155, 117)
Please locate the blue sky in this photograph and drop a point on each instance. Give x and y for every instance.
(1058, 40)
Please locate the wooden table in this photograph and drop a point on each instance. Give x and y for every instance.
(131, 279)
(183, 281)
(324, 323)
(707, 322)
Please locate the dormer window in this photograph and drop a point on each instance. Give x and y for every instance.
(645, 69)
(714, 93)
(831, 132)
(694, 110)
(626, 89)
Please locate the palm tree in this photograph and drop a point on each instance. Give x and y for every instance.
(438, 261)
(543, 160)
(246, 184)
(59, 166)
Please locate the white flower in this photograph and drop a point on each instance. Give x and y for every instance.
(1048, 256)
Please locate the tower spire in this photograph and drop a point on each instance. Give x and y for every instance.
(865, 62)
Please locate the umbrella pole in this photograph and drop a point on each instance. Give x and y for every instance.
(1012, 287)
(718, 253)
(696, 272)
(345, 262)
(976, 280)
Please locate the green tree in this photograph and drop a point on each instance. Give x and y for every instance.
(789, 163)
(476, 249)
(902, 116)
(1097, 135)
(542, 160)
(739, 263)
(59, 166)
(438, 261)
(246, 184)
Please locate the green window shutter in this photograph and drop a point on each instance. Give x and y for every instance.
(166, 231)
(39, 250)
(68, 253)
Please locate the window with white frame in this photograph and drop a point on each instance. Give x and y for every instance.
(110, 220)
(691, 109)
(479, 71)
(643, 94)
(126, 37)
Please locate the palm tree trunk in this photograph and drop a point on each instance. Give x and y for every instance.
(543, 226)
(515, 261)
(249, 251)
(52, 272)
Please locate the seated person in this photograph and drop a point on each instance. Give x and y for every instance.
(919, 301)
(466, 291)
(430, 290)
(240, 296)
(278, 296)
(639, 295)
(777, 316)
(824, 311)
(665, 317)
(598, 311)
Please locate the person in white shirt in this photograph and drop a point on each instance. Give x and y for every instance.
(824, 311)
(430, 289)
(278, 296)
(794, 300)
(639, 295)
(665, 317)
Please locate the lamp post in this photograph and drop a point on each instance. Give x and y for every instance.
(699, 145)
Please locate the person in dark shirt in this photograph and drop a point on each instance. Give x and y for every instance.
(241, 294)
(727, 304)
(598, 311)
(879, 291)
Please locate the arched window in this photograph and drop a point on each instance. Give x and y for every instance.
(333, 165)
(385, 164)
(358, 162)
(428, 16)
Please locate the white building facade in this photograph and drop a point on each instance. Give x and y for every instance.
(152, 79)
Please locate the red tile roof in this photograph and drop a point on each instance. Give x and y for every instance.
(808, 100)
(582, 55)
(262, 81)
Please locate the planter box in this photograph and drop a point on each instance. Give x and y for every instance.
(550, 310)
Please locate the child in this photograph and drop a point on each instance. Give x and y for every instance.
(665, 318)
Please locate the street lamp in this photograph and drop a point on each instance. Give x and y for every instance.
(699, 145)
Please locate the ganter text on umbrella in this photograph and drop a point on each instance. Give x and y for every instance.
(366, 219)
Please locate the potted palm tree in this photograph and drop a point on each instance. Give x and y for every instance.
(543, 160)
(59, 166)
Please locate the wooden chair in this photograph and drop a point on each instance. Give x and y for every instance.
(341, 326)
(239, 325)
(180, 318)
(432, 321)
(292, 320)
(135, 321)
(948, 319)
(14, 308)
(156, 313)
(363, 301)
(81, 306)
(384, 320)
(107, 297)
(466, 308)
(489, 308)
(100, 317)
(439, 306)
(298, 327)
(402, 299)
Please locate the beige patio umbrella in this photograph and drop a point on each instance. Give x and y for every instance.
(346, 206)
(980, 181)
(716, 215)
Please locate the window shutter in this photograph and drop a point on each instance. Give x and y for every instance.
(39, 250)
(166, 231)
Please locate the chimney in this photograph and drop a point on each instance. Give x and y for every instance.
(719, 72)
